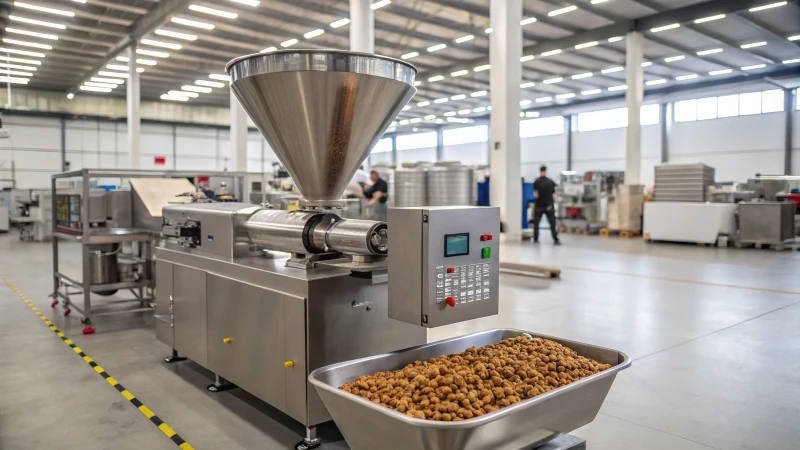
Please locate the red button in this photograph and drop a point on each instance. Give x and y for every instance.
(486, 237)
(450, 301)
(451, 270)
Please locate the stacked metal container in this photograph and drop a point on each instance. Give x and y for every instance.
(450, 184)
(682, 182)
(410, 187)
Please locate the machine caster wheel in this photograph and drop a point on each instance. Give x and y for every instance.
(64, 303)
(88, 330)
(303, 445)
(87, 322)
(67, 311)
(53, 303)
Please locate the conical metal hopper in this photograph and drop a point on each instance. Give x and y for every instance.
(321, 111)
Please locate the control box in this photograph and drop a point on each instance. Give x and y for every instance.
(444, 264)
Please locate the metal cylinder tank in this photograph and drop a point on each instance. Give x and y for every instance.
(410, 187)
(450, 184)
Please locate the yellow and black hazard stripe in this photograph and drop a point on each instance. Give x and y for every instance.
(154, 419)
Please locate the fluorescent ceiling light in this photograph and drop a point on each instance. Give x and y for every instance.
(466, 38)
(757, 66)
(709, 19)
(656, 82)
(621, 87)
(417, 83)
(527, 21)
(213, 84)
(117, 67)
(441, 100)
(527, 58)
(161, 44)
(527, 85)
(771, 5)
(525, 102)
(379, 4)
(720, 72)
(430, 117)
(218, 76)
(15, 72)
(488, 30)
(410, 55)
(586, 45)
(582, 75)
(248, 2)
(314, 33)
(544, 99)
(20, 60)
(340, 23)
(458, 97)
(70, 96)
(686, 77)
(403, 122)
(59, 12)
(289, 43)
(558, 12)
(27, 44)
(436, 78)
(565, 96)
(482, 68)
(591, 92)
(478, 94)
(615, 39)
(647, 64)
(479, 110)
(193, 23)
(553, 80)
(14, 80)
(755, 44)
(21, 52)
(709, 52)
(463, 112)
(189, 87)
(106, 73)
(17, 66)
(794, 38)
(450, 113)
(268, 49)
(142, 51)
(174, 98)
(100, 85)
(184, 94)
(613, 69)
(459, 73)
(437, 47)
(94, 89)
(552, 52)
(675, 58)
(423, 104)
(52, 37)
(665, 28)
(792, 61)
(532, 114)
(108, 80)
(213, 12)
(416, 120)
(38, 22)
(406, 108)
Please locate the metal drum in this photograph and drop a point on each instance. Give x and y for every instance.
(410, 187)
(450, 184)
(103, 265)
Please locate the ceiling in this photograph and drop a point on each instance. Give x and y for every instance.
(73, 41)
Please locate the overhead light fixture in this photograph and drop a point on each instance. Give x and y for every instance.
(108, 80)
(403, 122)
(70, 96)
(464, 112)
(27, 44)
(527, 58)
(655, 82)
(14, 51)
(15, 72)
(17, 66)
(794, 38)
(437, 47)
(686, 77)
(37, 22)
(586, 45)
(416, 120)
(213, 12)
(710, 19)
(430, 117)
(647, 64)
(479, 109)
(117, 67)
(417, 83)
(665, 28)
(709, 52)
(792, 61)
(379, 4)
(219, 76)
(52, 37)
(248, 2)
(720, 72)
(595, 2)
(675, 58)
(161, 44)
(754, 44)
(482, 68)
(289, 43)
(441, 100)
(552, 52)
(478, 94)
(106, 73)
(410, 55)
(174, 98)
(544, 99)
(581, 76)
(122, 58)
(406, 108)
(466, 38)
(531, 114)
(757, 66)
(615, 39)
(553, 80)
(459, 73)
(525, 102)
(621, 87)
(613, 69)
(213, 84)
(423, 104)
(768, 6)
(488, 30)
(591, 92)
(184, 94)
(193, 23)
(436, 78)
(95, 89)
(340, 23)
(100, 85)
(527, 21)
(14, 80)
(20, 60)
(189, 87)
(268, 49)
(314, 33)
(558, 12)
(59, 12)
(565, 96)
(458, 97)
(143, 51)
(529, 84)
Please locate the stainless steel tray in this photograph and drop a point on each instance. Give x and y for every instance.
(524, 425)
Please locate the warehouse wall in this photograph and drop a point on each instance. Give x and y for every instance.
(472, 154)
(416, 155)
(605, 150)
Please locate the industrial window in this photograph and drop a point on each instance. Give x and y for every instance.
(686, 111)
(384, 145)
(547, 126)
(745, 104)
(750, 103)
(616, 118)
(707, 108)
(728, 106)
(650, 114)
(772, 101)
(417, 140)
(466, 135)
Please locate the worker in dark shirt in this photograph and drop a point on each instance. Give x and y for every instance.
(377, 194)
(543, 189)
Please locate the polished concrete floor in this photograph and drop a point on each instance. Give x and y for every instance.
(714, 335)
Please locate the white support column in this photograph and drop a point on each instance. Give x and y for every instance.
(238, 148)
(634, 74)
(505, 50)
(362, 26)
(134, 118)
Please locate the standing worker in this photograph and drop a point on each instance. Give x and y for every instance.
(543, 189)
(377, 195)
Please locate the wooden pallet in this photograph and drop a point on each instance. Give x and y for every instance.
(625, 234)
(529, 270)
(565, 230)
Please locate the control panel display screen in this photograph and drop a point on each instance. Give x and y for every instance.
(456, 244)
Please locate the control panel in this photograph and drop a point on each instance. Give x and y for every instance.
(443, 264)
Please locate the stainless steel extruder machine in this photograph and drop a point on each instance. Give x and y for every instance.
(263, 297)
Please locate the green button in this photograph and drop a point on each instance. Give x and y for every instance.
(486, 253)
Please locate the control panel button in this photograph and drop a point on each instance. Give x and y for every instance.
(486, 253)
(450, 301)
(451, 270)
(486, 237)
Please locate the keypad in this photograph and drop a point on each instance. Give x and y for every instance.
(465, 284)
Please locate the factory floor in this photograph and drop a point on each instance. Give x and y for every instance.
(714, 336)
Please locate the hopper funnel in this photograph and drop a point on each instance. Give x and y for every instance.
(321, 111)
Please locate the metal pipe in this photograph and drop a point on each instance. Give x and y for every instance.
(353, 236)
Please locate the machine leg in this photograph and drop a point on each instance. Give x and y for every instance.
(174, 358)
(220, 384)
(311, 440)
